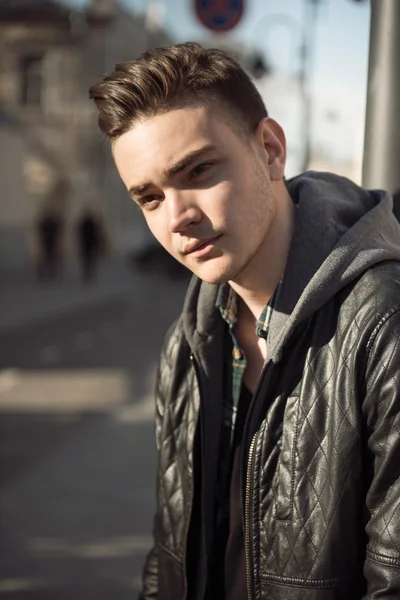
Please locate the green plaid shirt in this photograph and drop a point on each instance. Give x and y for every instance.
(227, 304)
(235, 366)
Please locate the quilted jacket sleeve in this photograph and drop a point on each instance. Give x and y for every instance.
(382, 412)
(150, 576)
(150, 569)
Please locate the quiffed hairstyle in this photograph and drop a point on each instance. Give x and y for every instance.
(173, 77)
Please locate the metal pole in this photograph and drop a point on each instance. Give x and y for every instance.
(310, 8)
(304, 81)
(381, 163)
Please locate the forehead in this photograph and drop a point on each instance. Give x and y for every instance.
(154, 143)
(174, 127)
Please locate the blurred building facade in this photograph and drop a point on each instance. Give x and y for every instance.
(53, 155)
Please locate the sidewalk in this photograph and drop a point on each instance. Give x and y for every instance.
(78, 494)
(23, 299)
(76, 526)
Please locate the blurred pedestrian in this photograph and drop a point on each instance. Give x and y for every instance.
(90, 243)
(278, 390)
(49, 233)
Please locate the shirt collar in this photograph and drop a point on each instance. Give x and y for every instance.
(226, 302)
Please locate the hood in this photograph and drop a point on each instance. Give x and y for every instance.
(340, 231)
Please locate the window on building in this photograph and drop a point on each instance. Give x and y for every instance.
(32, 80)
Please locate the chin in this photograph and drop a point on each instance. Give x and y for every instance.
(215, 275)
(214, 280)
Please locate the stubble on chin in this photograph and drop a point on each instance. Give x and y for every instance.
(218, 277)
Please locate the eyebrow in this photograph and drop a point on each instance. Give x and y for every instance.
(174, 169)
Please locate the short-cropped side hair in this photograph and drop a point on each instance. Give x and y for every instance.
(171, 77)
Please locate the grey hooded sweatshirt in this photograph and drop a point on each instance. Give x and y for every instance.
(340, 231)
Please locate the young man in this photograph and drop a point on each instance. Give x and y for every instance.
(278, 394)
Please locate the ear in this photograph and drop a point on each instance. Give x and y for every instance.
(271, 137)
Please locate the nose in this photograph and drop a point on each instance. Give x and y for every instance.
(182, 211)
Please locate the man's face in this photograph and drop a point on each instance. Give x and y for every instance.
(205, 191)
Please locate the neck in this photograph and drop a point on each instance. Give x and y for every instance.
(257, 282)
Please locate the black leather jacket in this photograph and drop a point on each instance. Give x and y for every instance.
(321, 467)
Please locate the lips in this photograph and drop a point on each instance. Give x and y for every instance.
(196, 245)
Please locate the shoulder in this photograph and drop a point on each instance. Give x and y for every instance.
(371, 315)
(384, 302)
(363, 307)
(387, 273)
(378, 290)
(173, 340)
(175, 337)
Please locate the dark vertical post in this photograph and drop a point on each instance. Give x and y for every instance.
(381, 163)
(310, 13)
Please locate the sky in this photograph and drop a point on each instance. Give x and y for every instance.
(338, 69)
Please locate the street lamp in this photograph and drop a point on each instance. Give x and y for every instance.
(307, 32)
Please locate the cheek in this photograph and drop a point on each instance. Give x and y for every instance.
(218, 201)
(154, 225)
(159, 228)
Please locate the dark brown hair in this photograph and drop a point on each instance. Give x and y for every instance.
(173, 77)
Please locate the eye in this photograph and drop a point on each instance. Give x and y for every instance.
(200, 169)
(150, 202)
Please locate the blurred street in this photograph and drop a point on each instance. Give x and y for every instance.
(77, 461)
(81, 330)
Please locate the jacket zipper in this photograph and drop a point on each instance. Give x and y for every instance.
(247, 500)
(187, 524)
(185, 541)
(248, 553)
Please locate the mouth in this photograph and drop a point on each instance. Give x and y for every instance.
(199, 248)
